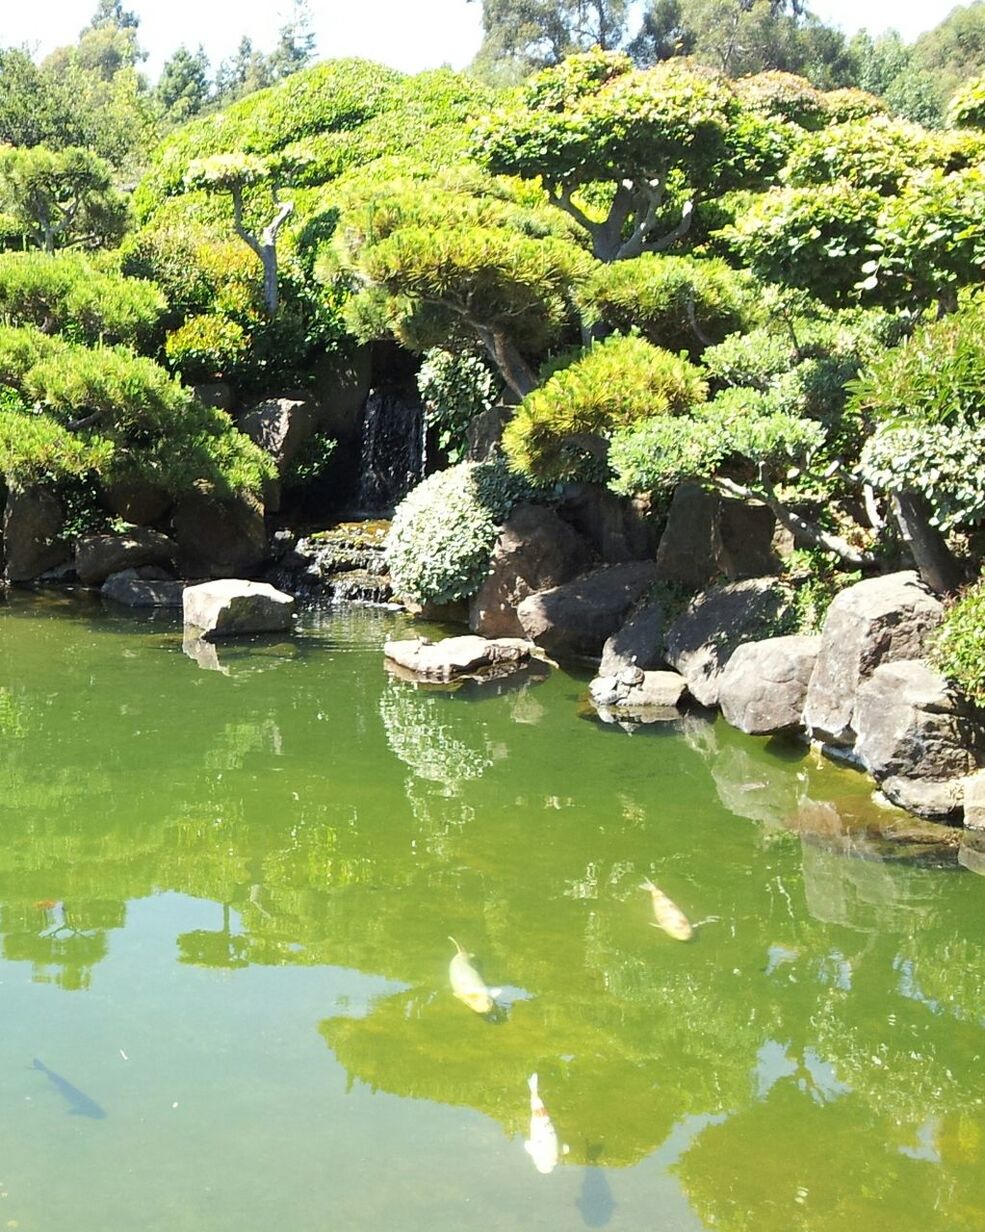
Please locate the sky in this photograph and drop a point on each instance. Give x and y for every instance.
(407, 34)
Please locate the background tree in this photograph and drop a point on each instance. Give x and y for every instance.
(62, 198)
(522, 35)
(183, 87)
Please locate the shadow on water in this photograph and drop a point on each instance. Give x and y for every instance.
(595, 1202)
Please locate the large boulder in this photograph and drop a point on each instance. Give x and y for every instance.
(457, 656)
(32, 524)
(618, 529)
(639, 642)
(535, 551)
(881, 620)
(636, 689)
(708, 536)
(137, 501)
(99, 556)
(704, 637)
(219, 538)
(576, 618)
(484, 434)
(764, 684)
(132, 590)
(233, 606)
(917, 736)
(974, 801)
(280, 426)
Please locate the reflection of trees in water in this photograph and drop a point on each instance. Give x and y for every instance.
(420, 731)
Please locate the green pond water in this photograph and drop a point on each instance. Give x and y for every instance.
(225, 902)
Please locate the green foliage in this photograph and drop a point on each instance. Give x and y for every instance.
(679, 303)
(443, 532)
(811, 578)
(60, 197)
(958, 646)
(874, 152)
(815, 238)
(784, 96)
(310, 463)
(76, 297)
(207, 348)
(33, 446)
(455, 387)
(126, 415)
(560, 430)
(740, 429)
(849, 104)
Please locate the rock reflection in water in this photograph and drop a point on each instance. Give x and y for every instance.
(246, 655)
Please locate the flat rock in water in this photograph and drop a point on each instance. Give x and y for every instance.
(129, 588)
(636, 689)
(457, 656)
(231, 607)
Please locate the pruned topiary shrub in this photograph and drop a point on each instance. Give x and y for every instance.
(443, 532)
(958, 648)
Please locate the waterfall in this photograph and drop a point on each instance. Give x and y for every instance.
(392, 456)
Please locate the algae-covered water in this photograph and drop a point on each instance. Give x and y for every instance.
(226, 890)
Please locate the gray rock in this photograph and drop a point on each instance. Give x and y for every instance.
(576, 618)
(280, 426)
(971, 853)
(32, 523)
(129, 588)
(535, 551)
(925, 797)
(233, 606)
(137, 502)
(618, 529)
(457, 656)
(484, 434)
(974, 801)
(702, 640)
(98, 556)
(917, 737)
(219, 538)
(880, 620)
(911, 722)
(707, 536)
(638, 643)
(764, 684)
(636, 689)
(217, 394)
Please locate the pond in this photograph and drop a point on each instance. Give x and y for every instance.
(227, 887)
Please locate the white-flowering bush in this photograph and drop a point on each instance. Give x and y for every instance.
(455, 387)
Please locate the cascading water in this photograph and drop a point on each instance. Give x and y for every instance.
(393, 456)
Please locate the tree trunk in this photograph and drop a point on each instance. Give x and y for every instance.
(934, 559)
(514, 369)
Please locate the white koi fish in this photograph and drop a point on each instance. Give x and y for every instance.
(468, 985)
(668, 915)
(542, 1146)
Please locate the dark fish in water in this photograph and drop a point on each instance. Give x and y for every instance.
(595, 1201)
(79, 1103)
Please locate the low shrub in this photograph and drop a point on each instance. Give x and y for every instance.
(443, 532)
(958, 647)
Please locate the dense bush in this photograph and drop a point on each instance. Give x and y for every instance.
(958, 648)
(455, 387)
(137, 421)
(443, 533)
(75, 296)
(679, 303)
(561, 429)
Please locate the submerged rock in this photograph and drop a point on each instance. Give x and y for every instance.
(763, 686)
(881, 620)
(232, 606)
(457, 656)
(132, 590)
